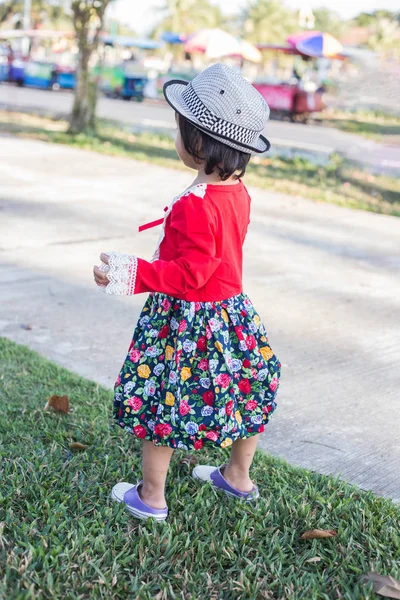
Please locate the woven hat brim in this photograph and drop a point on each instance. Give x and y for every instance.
(173, 94)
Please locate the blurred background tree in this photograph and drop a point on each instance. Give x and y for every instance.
(41, 11)
(329, 21)
(384, 29)
(188, 16)
(6, 10)
(365, 19)
(268, 21)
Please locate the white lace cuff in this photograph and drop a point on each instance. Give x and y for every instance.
(121, 273)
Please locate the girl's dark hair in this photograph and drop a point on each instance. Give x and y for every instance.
(215, 155)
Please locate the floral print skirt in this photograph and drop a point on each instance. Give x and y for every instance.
(197, 373)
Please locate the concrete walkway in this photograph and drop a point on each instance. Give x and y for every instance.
(325, 280)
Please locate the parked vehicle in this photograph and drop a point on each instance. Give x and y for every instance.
(301, 94)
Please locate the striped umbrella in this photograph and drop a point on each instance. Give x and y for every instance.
(295, 38)
(216, 43)
(319, 45)
(249, 51)
(173, 38)
(213, 42)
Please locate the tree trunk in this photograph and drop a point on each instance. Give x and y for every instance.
(83, 117)
(86, 13)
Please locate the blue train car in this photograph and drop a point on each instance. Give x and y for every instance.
(41, 75)
(17, 72)
(3, 71)
(133, 87)
(64, 80)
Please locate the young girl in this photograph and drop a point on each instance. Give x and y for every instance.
(199, 370)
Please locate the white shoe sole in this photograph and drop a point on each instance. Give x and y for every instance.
(117, 494)
(203, 472)
(120, 489)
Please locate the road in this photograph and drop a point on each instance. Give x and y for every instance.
(310, 140)
(324, 278)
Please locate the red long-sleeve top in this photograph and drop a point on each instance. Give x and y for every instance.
(200, 255)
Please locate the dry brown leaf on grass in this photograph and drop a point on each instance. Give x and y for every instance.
(189, 459)
(78, 446)
(314, 559)
(3, 540)
(384, 585)
(315, 534)
(58, 403)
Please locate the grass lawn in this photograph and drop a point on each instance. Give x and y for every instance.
(336, 182)
(375, 125)
(62, 536)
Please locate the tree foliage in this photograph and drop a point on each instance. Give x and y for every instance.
(366, 19)
(329, 21)
(188, 16)
(268, 21)
(40, 10)
(384, 29)
(6, 10)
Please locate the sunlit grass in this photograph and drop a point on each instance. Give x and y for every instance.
(375, 125)
(61, 536)
(336, 182)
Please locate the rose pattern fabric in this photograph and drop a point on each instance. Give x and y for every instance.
(197, 373)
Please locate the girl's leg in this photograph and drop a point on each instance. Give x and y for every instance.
(155, 463)
(237, 470)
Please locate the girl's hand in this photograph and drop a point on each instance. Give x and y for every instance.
(100, 273)
(117, 273)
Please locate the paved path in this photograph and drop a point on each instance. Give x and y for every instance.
(325, 280)
(309, 140)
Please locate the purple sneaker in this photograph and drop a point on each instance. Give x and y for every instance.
(215, 477)
(128, 493)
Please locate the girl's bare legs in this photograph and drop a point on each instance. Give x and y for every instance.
(237, 470)
(155, 464)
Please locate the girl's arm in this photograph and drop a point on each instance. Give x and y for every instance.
(196, 261)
